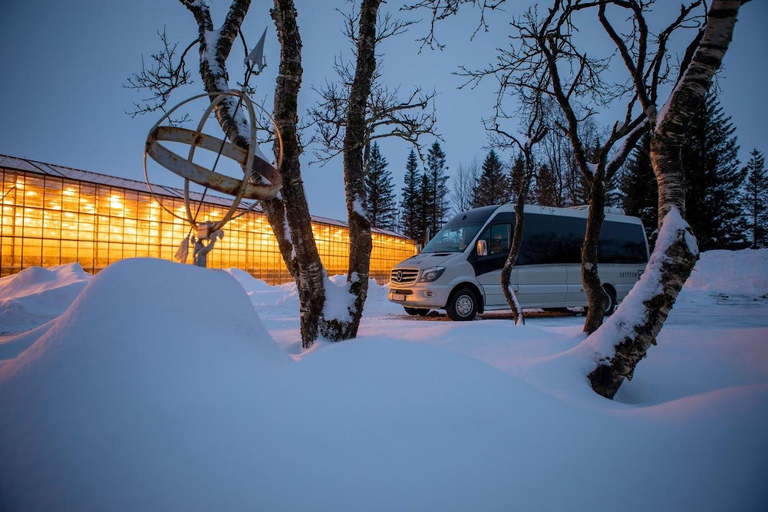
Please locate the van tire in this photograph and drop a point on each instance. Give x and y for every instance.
(416, 311)
(610, 300)
(463, 305)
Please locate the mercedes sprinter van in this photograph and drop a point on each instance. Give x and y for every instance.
(459, 270)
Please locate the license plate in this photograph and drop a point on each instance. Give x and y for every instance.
(398, 297)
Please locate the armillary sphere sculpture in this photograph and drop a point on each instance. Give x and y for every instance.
(253, 161)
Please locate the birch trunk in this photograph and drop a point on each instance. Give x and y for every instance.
(289, 217)
(511, 261)
(590, 279)
(676, 253)
(293, 209)
(355, 142)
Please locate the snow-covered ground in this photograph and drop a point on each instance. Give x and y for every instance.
(160, 386)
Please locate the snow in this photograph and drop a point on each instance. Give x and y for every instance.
(358, 208)
(731, 272)
(338, 301)
(165, 387)
(36, 295)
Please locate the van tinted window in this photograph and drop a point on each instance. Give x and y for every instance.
(542, 240)
(621, 243)
(549, 239)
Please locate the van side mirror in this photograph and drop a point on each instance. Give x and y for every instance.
(482, 248)
(419, 247)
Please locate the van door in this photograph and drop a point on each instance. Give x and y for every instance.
(542, 286)
(576, 294)
(541, 272)
(488, 268)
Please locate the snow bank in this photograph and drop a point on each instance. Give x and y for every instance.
(283, 300)
(159, 389)
(36, 295)
(143, 390)
(284, 296)
(730, 272)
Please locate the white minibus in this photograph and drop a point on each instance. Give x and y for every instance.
(459, 270)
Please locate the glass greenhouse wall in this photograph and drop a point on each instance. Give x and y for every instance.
(53, 215)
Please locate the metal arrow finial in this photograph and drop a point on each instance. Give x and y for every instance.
(256, 57)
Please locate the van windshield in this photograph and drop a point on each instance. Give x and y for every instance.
(453, 238)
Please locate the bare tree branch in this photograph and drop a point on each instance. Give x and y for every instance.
(164, 75)
(387, 112)
(442, 9)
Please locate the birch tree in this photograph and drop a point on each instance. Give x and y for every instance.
(288, 214)
(625, 339)
(350, 115)
(544, 60)
(534, 115)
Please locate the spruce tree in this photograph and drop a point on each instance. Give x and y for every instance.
(516, 181)
(380, 191)
(755, 199)
(436, 198)
(713, 179)
(410, 199)
(423, 209)
(545, 187)
(494, 185)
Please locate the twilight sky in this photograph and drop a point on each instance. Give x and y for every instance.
(64, 64)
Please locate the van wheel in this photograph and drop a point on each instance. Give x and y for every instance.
(610, 300)
(462, 305)
(416, 311)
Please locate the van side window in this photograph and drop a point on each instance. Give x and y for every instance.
(622, 243)
(497, 238)
(550, 239)
(542, 240)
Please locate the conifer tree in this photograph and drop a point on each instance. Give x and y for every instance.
(713, 179)
(755, 199)
(436, 197)
(379, 189)
(516, 180)
(545, 187)
(494, 185)
(410, 200)
(424, 206)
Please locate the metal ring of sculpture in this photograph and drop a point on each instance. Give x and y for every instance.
(186, 168)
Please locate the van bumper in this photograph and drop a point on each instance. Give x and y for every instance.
(432, 297)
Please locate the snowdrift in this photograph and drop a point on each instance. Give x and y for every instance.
(36, 295)
(160, 389)
(730, 272)
(137, 388)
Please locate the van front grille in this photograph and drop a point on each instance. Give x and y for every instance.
(403, 276)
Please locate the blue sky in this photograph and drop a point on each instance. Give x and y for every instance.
(64, 65)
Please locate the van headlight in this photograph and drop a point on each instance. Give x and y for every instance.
(431, 274)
